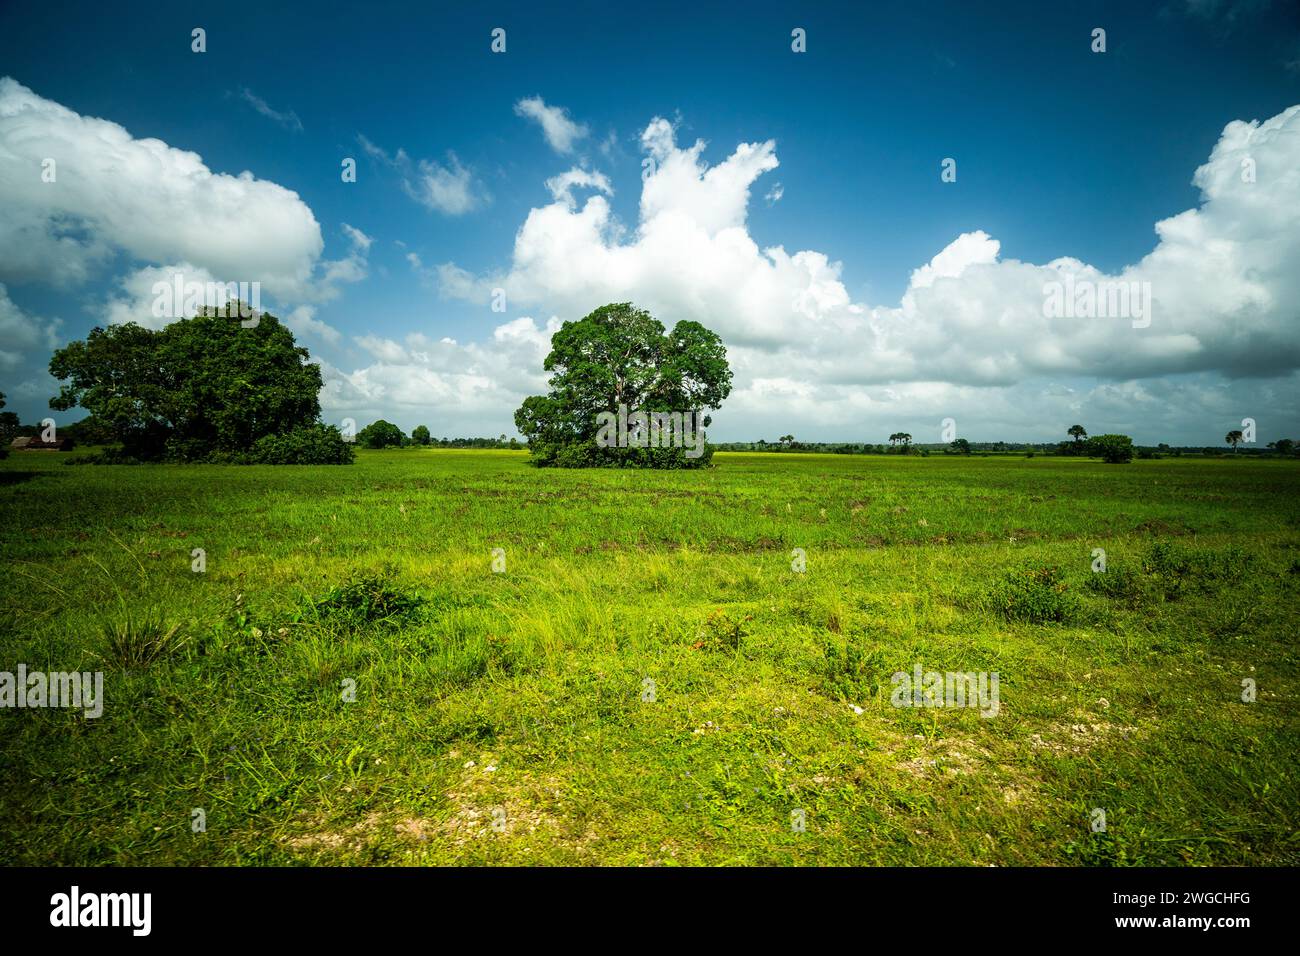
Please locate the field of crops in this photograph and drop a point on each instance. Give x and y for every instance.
(647, 671)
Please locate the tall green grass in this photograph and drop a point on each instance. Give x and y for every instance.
(649, 681)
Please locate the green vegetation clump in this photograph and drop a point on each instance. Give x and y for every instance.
(1175, 570)
(314, 444)
(1036, 594)
(850, 672)
(138, 642)
(365, 600)
(1112, 449)
(1117, 582)
(382, 434)
(723, 632)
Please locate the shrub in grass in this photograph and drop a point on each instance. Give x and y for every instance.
(1175, 569)
(1228, 564)
(1168, 568)
(1035, 594)
(721, 632)
(1119, 583)
(849, 672)
(1165, 559)
(138, 642)
(365, 600)
(314, 444)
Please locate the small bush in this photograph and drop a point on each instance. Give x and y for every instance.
(1037, 595)
(1120, 583)
(722, 632)
(138, 643)
(1167, 560)
(849, 672)
(1175, 570)
(1168, 567)
(1230, 564)
(1164, 559)
(366, 600)
(308, 445)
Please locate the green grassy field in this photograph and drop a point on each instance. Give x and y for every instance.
(649, 681)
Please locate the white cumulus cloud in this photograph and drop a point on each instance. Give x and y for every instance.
(560, 131)
(112, 192)
(971, 323)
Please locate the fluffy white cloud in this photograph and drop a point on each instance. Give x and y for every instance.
(455, 389)
(971, 325)
(158, 204)
(147, 295)
(560, 131)
(561, 187)
(302, 322)
(135, 298)
(354, 267)
(450, 189)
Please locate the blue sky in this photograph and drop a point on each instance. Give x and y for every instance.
(1060, 151)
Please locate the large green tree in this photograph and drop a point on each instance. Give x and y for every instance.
(205, 388)
(381, 434)
(620, 355)
(1112, 449)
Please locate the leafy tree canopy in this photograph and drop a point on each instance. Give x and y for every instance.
(1113, 449)
(620, 355)
(205, 388)
(420, 435)
(381, 434)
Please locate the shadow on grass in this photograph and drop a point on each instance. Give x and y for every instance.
(16, 477)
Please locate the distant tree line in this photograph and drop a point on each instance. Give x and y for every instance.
(215, 389)
(384, 434)
(1111, 448)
